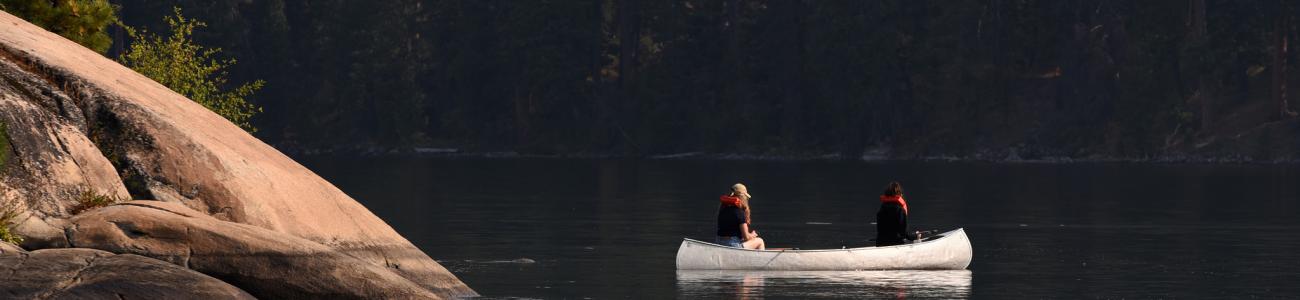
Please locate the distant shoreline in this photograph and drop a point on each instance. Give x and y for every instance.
(358, 151)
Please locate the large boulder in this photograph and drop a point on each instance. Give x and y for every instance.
(94, 274)
(165, 147)
(49, 160)
(265, 263)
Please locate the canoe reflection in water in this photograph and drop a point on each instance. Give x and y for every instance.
(902, 284)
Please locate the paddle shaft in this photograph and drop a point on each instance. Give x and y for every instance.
(925, 232)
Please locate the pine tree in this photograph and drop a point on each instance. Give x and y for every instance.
(82, 21)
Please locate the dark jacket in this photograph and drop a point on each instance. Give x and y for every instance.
(729, 220)
(891, 225)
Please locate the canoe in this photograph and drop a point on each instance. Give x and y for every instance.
(946, 251)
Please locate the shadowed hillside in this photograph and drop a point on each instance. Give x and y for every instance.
(991, 79)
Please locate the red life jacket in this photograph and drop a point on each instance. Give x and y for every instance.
(729, 200)
(895, 199)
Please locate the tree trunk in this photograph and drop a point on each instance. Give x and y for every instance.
(599, 125)
(1281, 28)
(598, 39)
(119, 34)
(729, 76)
(629, 34)
(999, 32)
(791, 14)
(523, 112)
(1196, 33)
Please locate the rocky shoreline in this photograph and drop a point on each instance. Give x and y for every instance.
(122, 188)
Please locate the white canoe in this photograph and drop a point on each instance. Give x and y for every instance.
(948, 251)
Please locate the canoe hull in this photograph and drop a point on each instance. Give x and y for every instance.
(950, 252)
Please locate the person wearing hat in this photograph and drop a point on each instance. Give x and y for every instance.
(891, 219)
(734, 222)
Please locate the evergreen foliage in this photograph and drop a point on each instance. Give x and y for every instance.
(82, 21)
(1065, 78)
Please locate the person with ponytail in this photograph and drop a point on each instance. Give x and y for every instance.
(734, 222)
(891, 219)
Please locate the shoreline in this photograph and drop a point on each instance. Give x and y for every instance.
(1010, 159)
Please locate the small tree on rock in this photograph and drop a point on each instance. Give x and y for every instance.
(190, 69)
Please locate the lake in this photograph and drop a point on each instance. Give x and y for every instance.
(610, 228)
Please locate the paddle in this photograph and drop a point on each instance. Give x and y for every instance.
(926, 235)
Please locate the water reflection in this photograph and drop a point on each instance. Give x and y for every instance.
(828, 284)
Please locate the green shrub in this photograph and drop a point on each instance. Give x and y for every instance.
(89, 198)
(8, 213)
(190, 69)
(82, 21)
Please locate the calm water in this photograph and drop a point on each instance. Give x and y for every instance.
(571, 228)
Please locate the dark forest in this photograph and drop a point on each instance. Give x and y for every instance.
(987, 79)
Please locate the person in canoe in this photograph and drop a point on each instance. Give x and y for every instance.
(891, 219)
(734, 222)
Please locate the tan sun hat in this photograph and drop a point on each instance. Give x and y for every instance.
(740, 189)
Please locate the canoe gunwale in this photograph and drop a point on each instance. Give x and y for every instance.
(943, 236)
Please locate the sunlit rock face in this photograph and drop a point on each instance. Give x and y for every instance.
(267, 264)
(78, 121)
